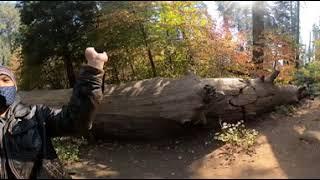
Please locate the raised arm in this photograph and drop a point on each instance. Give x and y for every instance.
(77, 116)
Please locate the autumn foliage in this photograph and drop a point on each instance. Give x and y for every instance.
(146, 39)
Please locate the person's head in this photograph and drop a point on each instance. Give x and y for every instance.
(6, 81)
(8, 87)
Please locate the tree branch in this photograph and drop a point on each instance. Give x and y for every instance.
(273, 76)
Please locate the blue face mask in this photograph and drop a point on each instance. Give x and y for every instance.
(7, 95)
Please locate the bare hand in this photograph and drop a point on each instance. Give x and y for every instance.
(95, 59)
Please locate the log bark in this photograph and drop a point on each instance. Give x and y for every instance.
(163, 107)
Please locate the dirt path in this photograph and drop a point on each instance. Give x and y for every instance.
(280, 153)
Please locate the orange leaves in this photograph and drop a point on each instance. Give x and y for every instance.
(233, 55)
(182, 36)
(286, 75)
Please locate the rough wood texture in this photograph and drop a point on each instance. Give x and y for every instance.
(159, 107)
(245, 99)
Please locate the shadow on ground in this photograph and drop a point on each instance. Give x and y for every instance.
(160, 159)
(281, 153)
(296, 157)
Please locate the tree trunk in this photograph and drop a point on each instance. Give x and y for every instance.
(123, 74)
(153, 67)
(161, 107)
(69, 68)
(257, 34)
(292, 28)
(130, 60)
(169, 56)
(309, 48)
(144, 36)
(189, 55)
(115, 72)
(297, 64)
(132, 70)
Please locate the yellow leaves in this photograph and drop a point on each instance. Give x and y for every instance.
(182, 36)
(203, 22)
(286, 74)
(235, 56)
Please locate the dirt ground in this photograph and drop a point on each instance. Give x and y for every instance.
(281, 152)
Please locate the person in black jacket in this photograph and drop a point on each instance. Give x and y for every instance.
(26, 130)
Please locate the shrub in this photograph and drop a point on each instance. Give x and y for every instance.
(68, 149)
(309, 76)
(238, 137)
(285, 109)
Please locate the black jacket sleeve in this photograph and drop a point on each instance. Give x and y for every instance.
(77, 116)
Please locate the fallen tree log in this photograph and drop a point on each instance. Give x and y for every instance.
(159, 107)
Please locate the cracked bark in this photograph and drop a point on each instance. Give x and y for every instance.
(163, 107)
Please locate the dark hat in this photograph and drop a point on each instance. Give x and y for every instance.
(8, 72)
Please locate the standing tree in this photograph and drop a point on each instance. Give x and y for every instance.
(257, 34)
(125, 31)
(147, 39)
(316, 40)
(297, 33)
(56, 30)
(9, 24)
(284, 16)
